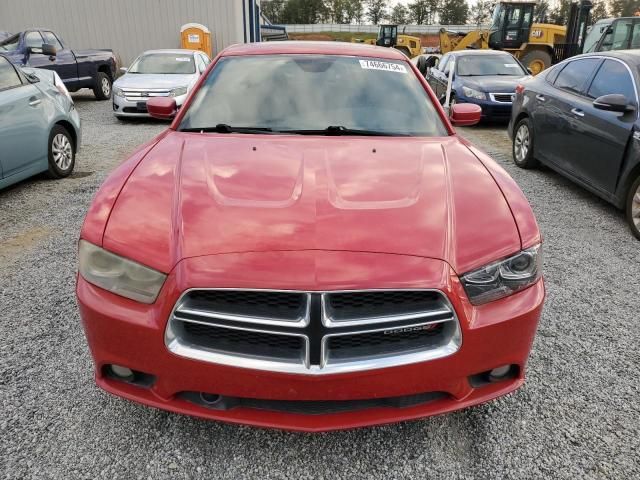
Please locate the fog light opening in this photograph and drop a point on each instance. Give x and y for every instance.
(209, 398)
(127, 375)
(499, 373)
(123, 373)
(495, 375)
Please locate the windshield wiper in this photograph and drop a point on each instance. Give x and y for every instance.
(224, 128)
(338, 130)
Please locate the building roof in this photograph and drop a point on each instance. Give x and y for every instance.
(324, 48)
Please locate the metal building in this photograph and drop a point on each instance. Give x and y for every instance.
(129, 27)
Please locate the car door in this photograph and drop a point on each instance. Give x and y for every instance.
(600, 137)
(435, 78)
(64, 63)
(555, 139)
(24, 129)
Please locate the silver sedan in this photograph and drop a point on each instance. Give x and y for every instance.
(157, 73)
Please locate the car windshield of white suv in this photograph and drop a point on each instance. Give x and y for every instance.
(164, 63)
(486, 65)
(313, 95)
(10, 44)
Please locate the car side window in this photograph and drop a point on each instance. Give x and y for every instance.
(33, 40)
(443, 62)
(553, 74)
(612, 77)
(51, 39)
(9, 78)
(575, 74)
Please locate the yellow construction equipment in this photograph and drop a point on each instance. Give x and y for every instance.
(388, 37)
(512, 29)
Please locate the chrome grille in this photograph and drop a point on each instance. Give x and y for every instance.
(143, 94)
(503, 97)
(313, 332)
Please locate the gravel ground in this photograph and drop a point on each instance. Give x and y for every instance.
(578, 415)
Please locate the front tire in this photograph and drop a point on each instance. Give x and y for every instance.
(522, 145)
(102, 88)
(62, 155)
(633, 208)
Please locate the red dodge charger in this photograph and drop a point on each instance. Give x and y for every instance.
(310, 246)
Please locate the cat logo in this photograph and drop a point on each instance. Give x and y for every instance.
(536, 33)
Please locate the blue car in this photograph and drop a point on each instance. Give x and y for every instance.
(39, 124)
(485, 77)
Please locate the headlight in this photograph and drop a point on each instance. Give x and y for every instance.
(118, 92)
(176, 92)
(57, 81)
(500, 279)
(119, 275)
(470, 92)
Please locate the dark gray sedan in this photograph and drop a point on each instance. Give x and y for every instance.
(580, 118)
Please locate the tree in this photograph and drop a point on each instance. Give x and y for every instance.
(273, 10)
(337, 11)
(376, 10)
(355, 10)
(454, 12)
(625, 8)
(541, 12)
(560, 15)
(599, 11)
(399, 15)
(304, 11)
(418, 12)
(480, 13)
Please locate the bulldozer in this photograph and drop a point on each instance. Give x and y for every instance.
(536, 45)
(388, 37)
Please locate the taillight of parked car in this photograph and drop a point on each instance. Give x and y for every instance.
(519, 89)
(57, 81)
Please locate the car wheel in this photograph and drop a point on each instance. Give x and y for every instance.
(522, 146)
(62, 157)
(537, 61)
(102, 90)
(633, 208)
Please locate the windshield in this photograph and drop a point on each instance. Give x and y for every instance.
(10, 44)
(164, 63)
(312, 93)
(594, 35)
(483, 65)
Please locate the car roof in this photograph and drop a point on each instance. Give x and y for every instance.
(459, 53)
(176, 51)
(629, 56)
(319, 48)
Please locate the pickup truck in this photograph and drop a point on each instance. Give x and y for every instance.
(94, 69)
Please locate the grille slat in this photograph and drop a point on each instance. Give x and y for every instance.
(283, 331)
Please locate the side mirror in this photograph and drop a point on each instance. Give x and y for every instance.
(465, 114)
(49, 50)
(614, 102)
(123, 70)
(163, 108)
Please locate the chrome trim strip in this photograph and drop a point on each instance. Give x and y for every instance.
(324, 349)
(184, 349)
(299, 322)
(493, 98)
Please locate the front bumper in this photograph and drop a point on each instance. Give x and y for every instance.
(127, 333)
(495, 111)
(123, 107)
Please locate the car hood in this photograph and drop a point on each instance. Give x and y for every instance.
(197, 194)
(493, 83)
(143, 80)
